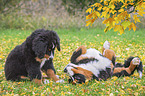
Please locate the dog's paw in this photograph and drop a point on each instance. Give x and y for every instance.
(106, 45)
(46, 81)
(60, 81)
(135, 61)
(57, 76)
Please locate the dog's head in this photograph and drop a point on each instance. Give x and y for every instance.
(77, 74)
(44, 43)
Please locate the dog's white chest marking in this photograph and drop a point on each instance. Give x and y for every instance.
(51, 56)
(43, 62)
(53, 46)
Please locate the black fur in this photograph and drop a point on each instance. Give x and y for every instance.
(122, 73)
(79, 77)
(113, 60)
(75, 55)
(21, 60)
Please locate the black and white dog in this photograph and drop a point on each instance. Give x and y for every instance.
(88, 64)
(32, 56)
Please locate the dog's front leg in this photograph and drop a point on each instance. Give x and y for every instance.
(50, 73)
(49, 70)
(35, 74)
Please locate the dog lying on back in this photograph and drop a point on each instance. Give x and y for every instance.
(33, 56)
(88, 64)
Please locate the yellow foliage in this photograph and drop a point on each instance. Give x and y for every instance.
(117, 18)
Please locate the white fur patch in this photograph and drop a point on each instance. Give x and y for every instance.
(60, 81)
(106, 45)
(69, 71)
(140, 74)
(43, 62)
(136, 61)
(51, 56)
(53, 46)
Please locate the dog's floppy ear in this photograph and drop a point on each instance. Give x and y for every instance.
(39, 47)
(58, 43)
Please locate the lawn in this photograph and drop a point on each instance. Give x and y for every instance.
(129, 44)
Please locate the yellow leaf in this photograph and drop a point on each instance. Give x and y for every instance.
(141, 13)
(136, 19)
(105, 21)
(89, 16)
(133, 26)
(121, 30)
(130, 3)
(109, 20)
(117, 27)
(125, 24)
(130, 26)
(97, 5)
(97, 13)
(106, 29)
(100, 8)
(105, 3)
(89, 10)
(121, 10)
(90, 22)
(112, 11)
(114, 78)
(112, 6)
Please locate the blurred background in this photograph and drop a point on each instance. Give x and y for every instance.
(50, 14)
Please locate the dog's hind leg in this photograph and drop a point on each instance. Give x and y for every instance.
(106, 45)
(108, 53)
(122, 71)
(76, 54)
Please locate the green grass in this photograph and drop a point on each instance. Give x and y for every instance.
(70, 40)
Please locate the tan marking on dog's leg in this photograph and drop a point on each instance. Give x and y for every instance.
(80, 58)
(84, 49)
(24, 77)
(109, 54)
(50, 73)
(37, 81)
(118, 69)
(128, 70)
(38, 59)
(132, 66)
(46, 56)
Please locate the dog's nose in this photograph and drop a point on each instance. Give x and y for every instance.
(51, 57)
(65, 70)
